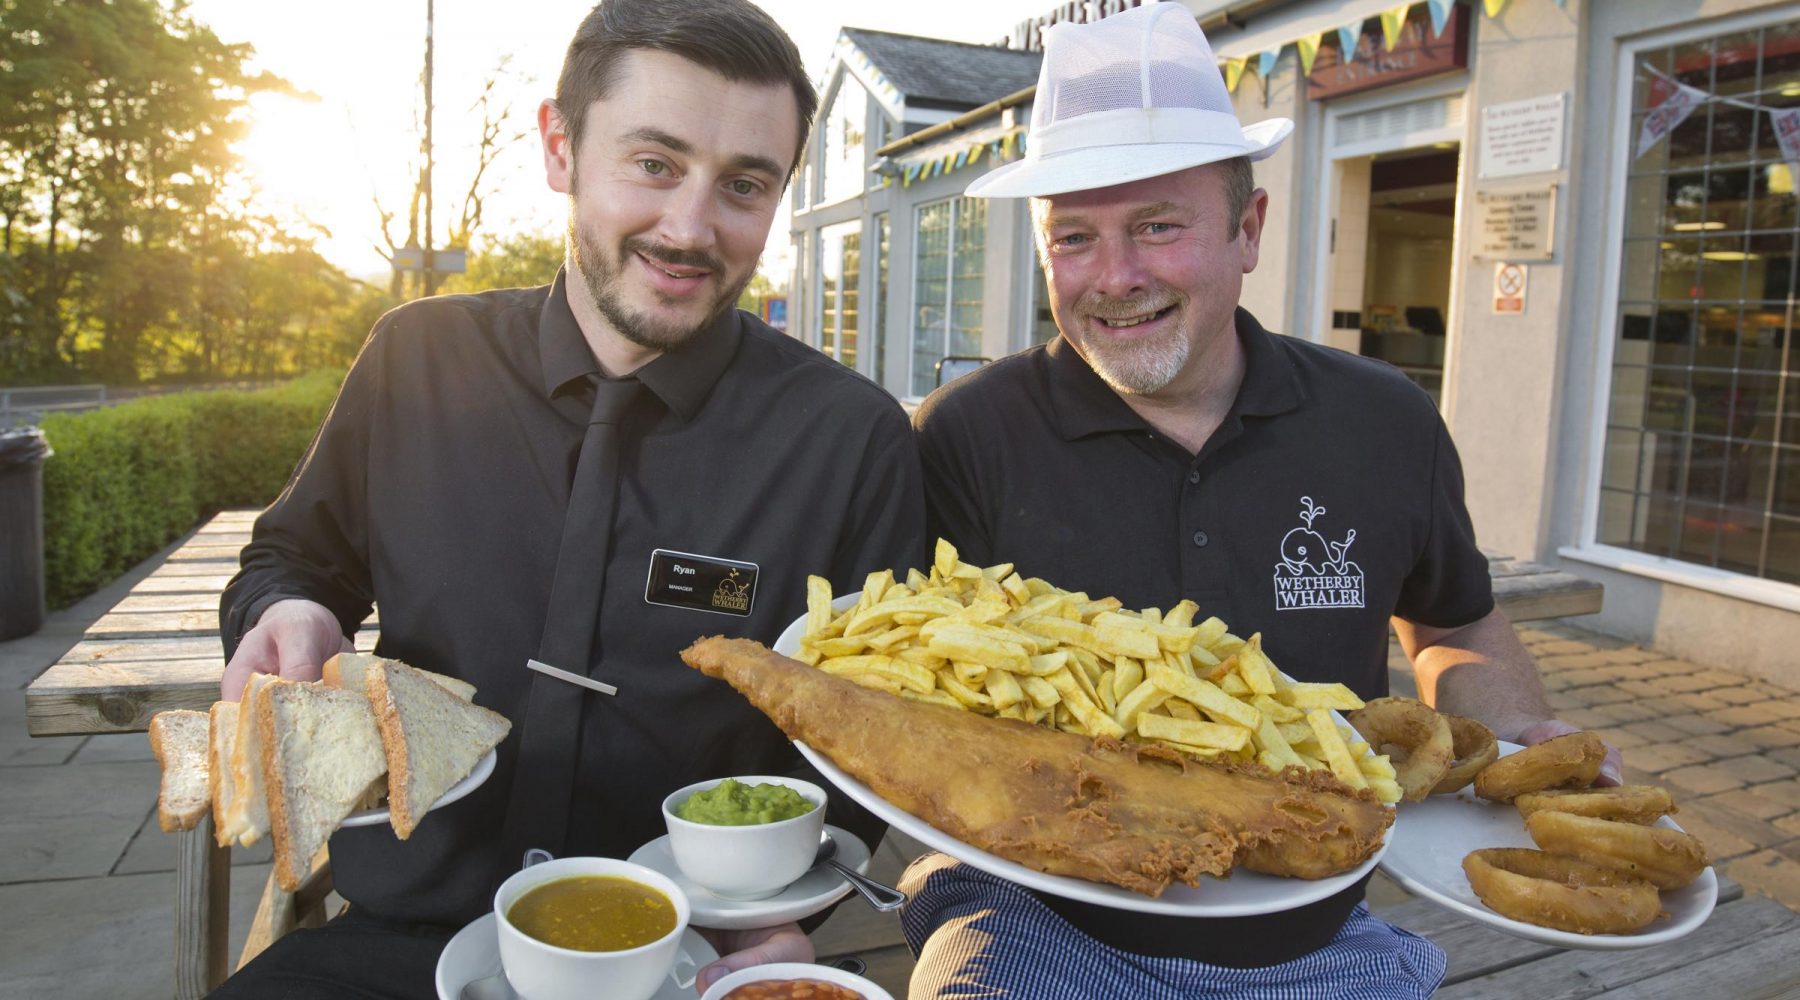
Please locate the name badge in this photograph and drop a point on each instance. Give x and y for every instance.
(701, 583)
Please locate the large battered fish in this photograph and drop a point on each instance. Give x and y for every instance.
(1138, 817)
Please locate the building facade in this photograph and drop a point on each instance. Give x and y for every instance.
(1574, 223)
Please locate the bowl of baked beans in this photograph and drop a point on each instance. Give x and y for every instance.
(794, 981)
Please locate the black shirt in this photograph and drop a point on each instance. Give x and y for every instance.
(437, 487)
(1329, 500)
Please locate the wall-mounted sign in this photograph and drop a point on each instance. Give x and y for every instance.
(1509, 289)
(1418, 53)
(1517, 224)
(1523, 137)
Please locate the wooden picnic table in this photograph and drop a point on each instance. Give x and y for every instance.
(159, 649)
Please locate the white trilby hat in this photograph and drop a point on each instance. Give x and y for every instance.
(1130, 96)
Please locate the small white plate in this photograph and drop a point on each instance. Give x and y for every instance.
(1429, 847)
(378, 816)
(474, 953)
(808, 894)
(1245, 893)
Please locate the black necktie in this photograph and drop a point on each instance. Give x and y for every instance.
(550, 740)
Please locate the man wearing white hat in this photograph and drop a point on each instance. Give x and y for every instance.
(1167, 447)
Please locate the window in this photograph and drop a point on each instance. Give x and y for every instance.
(947, 285)
(844, 128)
(1702, 445)
(879, 321)
(840, 265)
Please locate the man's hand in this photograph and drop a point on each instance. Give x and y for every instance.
(743, 949)
(292, 639)
(1610, 769)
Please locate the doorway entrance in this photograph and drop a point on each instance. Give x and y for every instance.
(1396, 223)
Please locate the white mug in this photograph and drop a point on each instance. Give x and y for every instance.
(541, 971)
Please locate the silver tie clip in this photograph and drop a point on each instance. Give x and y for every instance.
(575, 679)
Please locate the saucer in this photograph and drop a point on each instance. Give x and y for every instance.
(379, 816)
(474, 953)
(809, 894)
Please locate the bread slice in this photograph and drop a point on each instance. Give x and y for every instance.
(350, 671)
(433, 738)
(178, 738)
(320, 753)
(247, 817)
(221, 782)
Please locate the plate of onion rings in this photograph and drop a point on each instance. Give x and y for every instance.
(1426, 855)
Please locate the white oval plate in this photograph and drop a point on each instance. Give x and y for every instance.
(1428, 850)
(377, 816)
(1245, 893)
(474, 953)
(810, 893)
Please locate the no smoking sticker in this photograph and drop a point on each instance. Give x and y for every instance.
(1509, 288)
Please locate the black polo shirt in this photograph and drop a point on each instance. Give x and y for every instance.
(1329, 500)
(437, 487)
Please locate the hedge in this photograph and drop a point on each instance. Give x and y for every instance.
(126, 480)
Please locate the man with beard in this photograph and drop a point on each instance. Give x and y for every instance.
(589, 475)
(1166, 446)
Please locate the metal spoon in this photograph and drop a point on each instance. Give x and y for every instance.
(881, 897)
(495, 987)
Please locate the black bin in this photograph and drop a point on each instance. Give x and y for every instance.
(22, 454)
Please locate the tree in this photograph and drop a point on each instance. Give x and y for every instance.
(498, 132)
(122, 257)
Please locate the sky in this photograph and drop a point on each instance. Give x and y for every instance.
(322, 160)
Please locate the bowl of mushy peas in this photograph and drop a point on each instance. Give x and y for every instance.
(745, 837)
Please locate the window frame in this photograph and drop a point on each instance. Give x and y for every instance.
(1588, 547)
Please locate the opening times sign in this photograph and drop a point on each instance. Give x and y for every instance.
(1516, 224)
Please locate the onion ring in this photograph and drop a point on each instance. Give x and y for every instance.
(1667, 859)
(1565, 894)
(1417, 730)
(1642, 804)
(1571, 761)
(1474, 748)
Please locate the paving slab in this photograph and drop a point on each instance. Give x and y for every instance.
(18, 748)
(72, 821)
(110, 748)
(109, 938)
(152, 850)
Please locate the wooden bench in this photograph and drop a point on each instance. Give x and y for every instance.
(159, 649)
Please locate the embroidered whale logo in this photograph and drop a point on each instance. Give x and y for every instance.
(1315, 572)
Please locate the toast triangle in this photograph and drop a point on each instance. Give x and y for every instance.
(178, 737)
(321, 752)
(247, 818)
(433, 738)
(221, 779)
(350, 671)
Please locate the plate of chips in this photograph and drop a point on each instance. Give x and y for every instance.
(982, 639)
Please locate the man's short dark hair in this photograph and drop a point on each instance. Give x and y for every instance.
(733, 38)
(1240, 184)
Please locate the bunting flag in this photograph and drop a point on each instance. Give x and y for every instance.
(1671, 103)
(912, 174)
(1392, 20)
(1494, 7)
(1234, 72)
(1308, 47)
(962, 159)
(1349, 36)
(1787, 133)
(1265, 63)
(1440, 14)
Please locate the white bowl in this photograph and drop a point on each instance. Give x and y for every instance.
(542, 971)
(784, 971)
(746, 862)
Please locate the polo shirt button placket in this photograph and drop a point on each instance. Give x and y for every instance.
(1194, 476)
